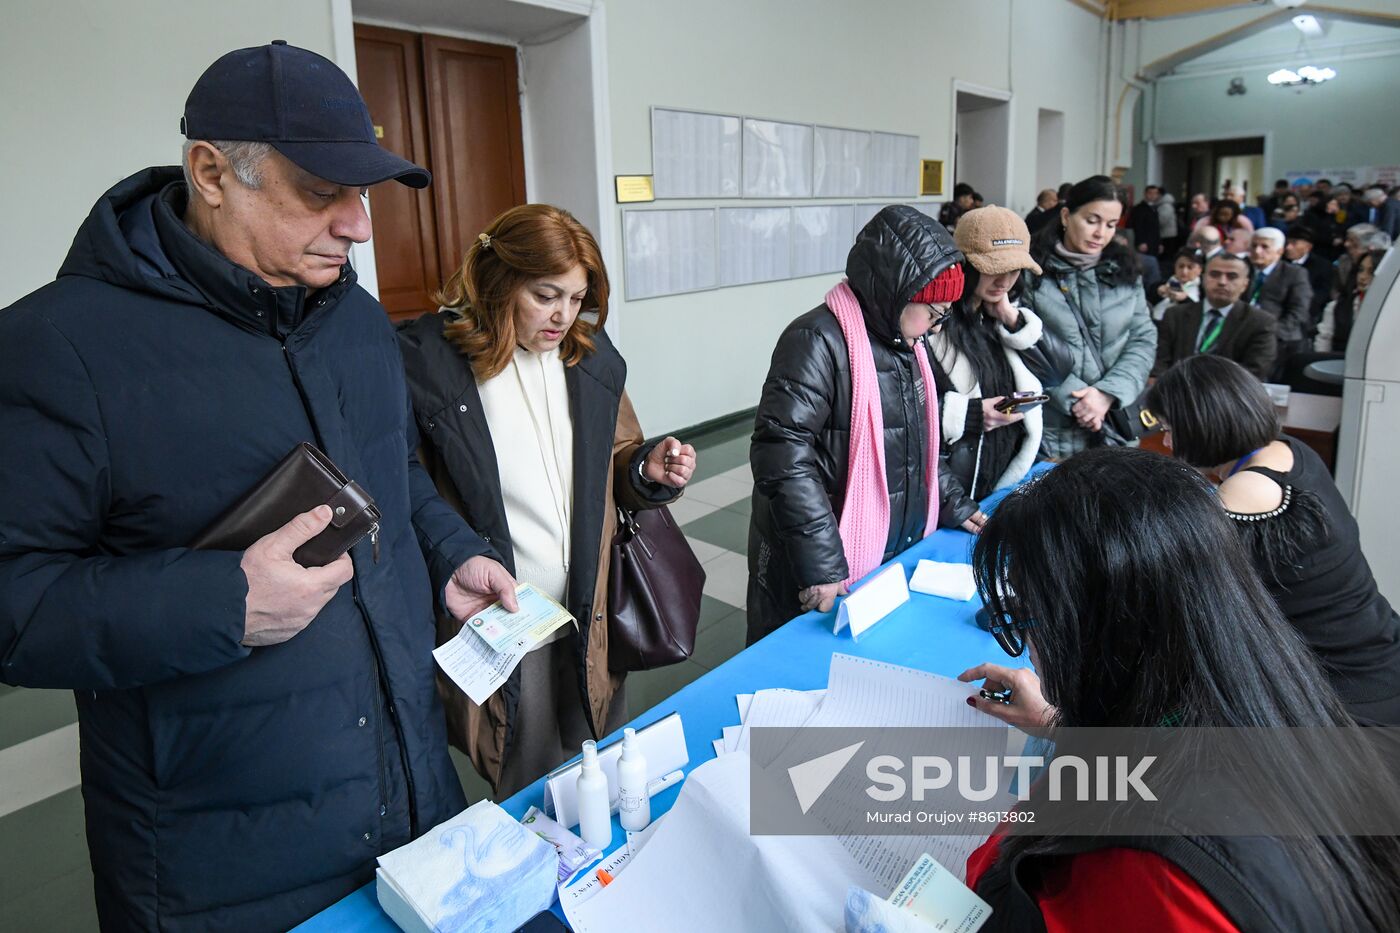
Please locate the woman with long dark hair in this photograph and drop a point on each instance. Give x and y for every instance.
(1091, 297)
(528, 432)
(1286, 507)
(984, 349)
(1126, 582)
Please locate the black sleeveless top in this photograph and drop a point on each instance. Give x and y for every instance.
(1308, 552)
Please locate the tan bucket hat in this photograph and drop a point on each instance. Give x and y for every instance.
(995, 240)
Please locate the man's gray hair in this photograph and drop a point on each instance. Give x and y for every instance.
(1376, 239)
(245, 157)
(1375, 195)
(1273, 234)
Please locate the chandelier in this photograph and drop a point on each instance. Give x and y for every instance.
(1307, 76)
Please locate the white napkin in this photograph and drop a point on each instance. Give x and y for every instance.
(480, 871)
(951, 581)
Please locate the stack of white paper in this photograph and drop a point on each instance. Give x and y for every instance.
(479, 871)
(865, 693)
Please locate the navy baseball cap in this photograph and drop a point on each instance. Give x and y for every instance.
(303, 106)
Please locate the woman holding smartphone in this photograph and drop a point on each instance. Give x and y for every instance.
(992, 361)
(1091, 297)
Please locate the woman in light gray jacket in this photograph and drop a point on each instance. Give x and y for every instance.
(1091, 297)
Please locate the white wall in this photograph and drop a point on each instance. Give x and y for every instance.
(883, 66)
(103, 85)
(1335, 124)
(94, 91)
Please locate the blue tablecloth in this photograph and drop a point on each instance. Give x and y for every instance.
(928, 633)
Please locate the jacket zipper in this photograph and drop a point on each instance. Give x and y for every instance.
(385, 697)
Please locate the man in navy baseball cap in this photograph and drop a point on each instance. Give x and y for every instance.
(253, 732)
(302, 105)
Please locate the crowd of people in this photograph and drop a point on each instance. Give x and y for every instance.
(255, 730)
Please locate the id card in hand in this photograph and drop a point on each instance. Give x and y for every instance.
(538, 617)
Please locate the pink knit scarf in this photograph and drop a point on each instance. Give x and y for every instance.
(865, 517)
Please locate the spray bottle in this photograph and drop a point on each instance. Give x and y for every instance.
(633, 801)
(594, 807)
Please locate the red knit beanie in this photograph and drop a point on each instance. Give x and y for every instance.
(947, 286)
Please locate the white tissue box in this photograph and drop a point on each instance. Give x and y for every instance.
(480, 871)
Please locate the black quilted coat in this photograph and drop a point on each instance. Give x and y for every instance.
(801, 435)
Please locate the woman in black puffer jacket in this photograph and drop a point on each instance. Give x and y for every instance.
(988, 347)
(802, 432)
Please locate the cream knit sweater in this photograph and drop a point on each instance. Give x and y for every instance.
(527, 410)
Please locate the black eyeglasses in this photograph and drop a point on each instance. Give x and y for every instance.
(1009, 633)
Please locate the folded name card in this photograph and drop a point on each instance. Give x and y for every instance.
(873, 600)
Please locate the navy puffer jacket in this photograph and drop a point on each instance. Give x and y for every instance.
(142, 393)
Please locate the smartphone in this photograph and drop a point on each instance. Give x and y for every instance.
(1022, 401)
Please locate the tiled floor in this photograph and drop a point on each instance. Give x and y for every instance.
(45, 881)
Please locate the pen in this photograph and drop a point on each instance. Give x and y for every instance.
(997, 696)
(604, 877)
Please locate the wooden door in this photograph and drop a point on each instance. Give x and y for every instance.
(390, 67)
(452, 107)
(474, 137)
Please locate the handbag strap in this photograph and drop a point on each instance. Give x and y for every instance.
(1089, 343)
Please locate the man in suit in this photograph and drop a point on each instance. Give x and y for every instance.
(1221, 323)
(1283, 290)
(1299, 250)
(1044, 210)
(1383, 212)
(1145, 224)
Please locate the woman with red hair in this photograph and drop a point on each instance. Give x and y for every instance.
(527, 431)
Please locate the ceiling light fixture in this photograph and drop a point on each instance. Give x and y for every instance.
(1307, 76)
(1308, 25)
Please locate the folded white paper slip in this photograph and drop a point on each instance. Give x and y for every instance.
(951, 581)
(873, 600)
(663, 744)
(479, 871)
(478, 669)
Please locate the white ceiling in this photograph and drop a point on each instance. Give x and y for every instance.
(1280, 44)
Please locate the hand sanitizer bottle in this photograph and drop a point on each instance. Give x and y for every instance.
(594, 807)
(633, 802)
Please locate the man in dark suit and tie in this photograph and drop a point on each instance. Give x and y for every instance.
(1221, 323)
(1283, 290)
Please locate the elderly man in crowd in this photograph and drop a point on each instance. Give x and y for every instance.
(1382, 212)
(1221, 323)
(1282, 289)
(1207, 240)
(1299, 249)
(253, 731)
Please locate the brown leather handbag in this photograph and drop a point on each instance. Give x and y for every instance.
(654, 588)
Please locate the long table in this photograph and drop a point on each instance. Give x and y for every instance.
(928, 633)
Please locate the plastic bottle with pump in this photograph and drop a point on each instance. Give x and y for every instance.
(633, 801)
(594, 807)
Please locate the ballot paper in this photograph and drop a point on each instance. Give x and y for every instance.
(951, 581)
(862, 692)
(479, 871)
(472, 664)
(774, 708)
(537, 618)
(701, 871)
(873, 600)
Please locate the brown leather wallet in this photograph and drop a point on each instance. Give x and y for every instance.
(303, 480)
